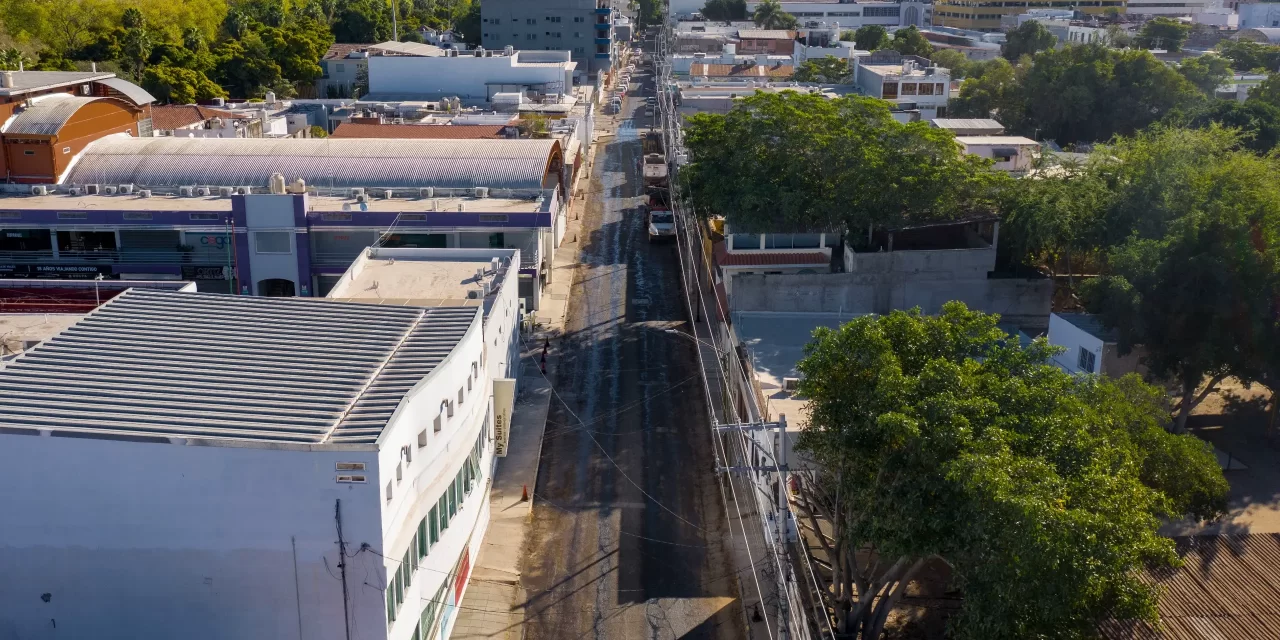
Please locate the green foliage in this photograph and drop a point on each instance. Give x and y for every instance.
(910, 42)
(246, 68)
(1163, 33)
(725, 10)
(468, 25)
(1268, 92)
(769, 14)
(651, 13)
(939, 437)
(828, 69)
(1207, 72)
(1194, 257)
(318, 132)
(1027, 39)
(1257, 122)
(802, 162)
(870, 37)
(992, 90)
(177, 85)
(1092, 93)
(952, 60)
(13, 58)
(362, 21)
(1248, 56)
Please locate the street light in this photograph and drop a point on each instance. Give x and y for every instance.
(694, 338)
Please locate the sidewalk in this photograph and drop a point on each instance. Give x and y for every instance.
(494, 597)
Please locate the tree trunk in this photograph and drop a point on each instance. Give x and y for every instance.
(1190, 400)
(875, 625)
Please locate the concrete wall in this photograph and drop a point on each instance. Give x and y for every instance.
(141, 540)
(1259, 14)
(1025, 302)
(273, 214)
(944, 264)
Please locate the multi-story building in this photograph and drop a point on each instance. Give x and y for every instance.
(985, 15)
(910, 83)
(342, 65)
(211, 211)
(1167, 8)
(260, 468)
(405, 70)
(48, 117)
(1259, 15)
(851, 15)
(584, 28)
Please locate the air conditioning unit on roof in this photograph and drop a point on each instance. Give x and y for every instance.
(126, 189)
(39, 190)
(202, 191)
(482, 192)
(186, 192)
(92, 189)
(74, 191)
(109, 190)
(790, 384)
(244, 191)
(225, 192)
(356, 192)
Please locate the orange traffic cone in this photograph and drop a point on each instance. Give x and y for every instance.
(524, 496)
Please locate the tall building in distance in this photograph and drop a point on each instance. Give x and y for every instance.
(984, 15)
(584, 28)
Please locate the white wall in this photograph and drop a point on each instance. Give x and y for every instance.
(1017, 164)
(142, 540)
(1065, 334)
(1259, 14)
(464, 76)
(272, 213)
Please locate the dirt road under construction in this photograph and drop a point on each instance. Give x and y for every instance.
(629, 535)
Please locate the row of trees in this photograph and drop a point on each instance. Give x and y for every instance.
(185, 50)
(1089, 93)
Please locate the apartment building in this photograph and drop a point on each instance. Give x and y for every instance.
(985, 15)
(584, 28)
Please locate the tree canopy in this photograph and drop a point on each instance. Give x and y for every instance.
(940, 438)
(1250, 56)
(1207, 72)
(769, 14)
(1030, 37)
(1163, 33)
(1257, 122)
(870, 37)
(725, 10)
(801, 162)
(910, 42)
(826, 69)
(1268, 92)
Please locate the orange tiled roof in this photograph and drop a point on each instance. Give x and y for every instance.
(165, 117)
(741, 71)
(419, 131)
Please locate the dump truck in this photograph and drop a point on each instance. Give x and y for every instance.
(655, 160)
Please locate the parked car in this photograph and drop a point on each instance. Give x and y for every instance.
(651, 101)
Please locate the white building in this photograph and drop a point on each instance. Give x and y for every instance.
(1167, 8)
(909, 82)
(208, 466)
(1259, 15)
(852, 15)
(1089, 347)
(1012, 154)
(405, 69)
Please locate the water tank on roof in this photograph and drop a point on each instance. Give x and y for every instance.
(277, 183)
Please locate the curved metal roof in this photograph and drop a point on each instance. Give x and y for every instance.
(137, 94)
(176, 161)
(1260, 34)
(161, 364)
(47, 114)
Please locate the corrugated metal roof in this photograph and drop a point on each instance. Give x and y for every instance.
(969, 124)
(1228, 587)
(137, 94)
(768, 258)
(46, 115)
(27, 81)
(207, 366)
(175, 162)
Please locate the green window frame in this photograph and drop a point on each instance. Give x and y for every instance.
(433, 527)
(410, 564)
(422, 538)
(391, 601)
(443, 506)
(400, 586)
(453, 498)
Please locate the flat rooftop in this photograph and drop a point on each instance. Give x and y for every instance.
(168, 202)
(776, 343)
(200, 368)
(1016, 140)
(896, 70)
(17, 329)
(423, 277)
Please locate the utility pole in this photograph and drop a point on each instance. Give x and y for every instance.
(342, 569)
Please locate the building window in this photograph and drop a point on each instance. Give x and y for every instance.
(531, 36)
(342, 68)
(433, 527)
(926, 88)
(28, 152)
(531, 21)
(890, 91)
(746, 241)
(272, 242)
(389, 487)
(579, 19)
(1086, 360)
(908, 88)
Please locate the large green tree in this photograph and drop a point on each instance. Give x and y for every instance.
(769, 14)
(952, 60)
(939, 439)
(910, 42)
(177, 85)
(801, 162)
(1091, 93)
(826, 69)
(1207, 72)
(994, 93)
(725, 10)
(870, 37)
(362, 21)
(1250, 56)
(1029, 38)
(1163, 33)
(1193, 273)
(1257, 122)
(1268, 92)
